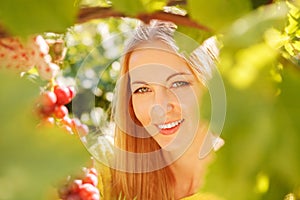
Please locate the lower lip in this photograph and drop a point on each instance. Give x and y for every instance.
(169, 131)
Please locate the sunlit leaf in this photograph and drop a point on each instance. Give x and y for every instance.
(294, 10)
(34, 16)
(102, 3)
(243, 67)
(155, 5)
(134, 7)
(250, 29)
(275, 38)
(290, 49)
(130, 7)
(188, 39)
(217, 14)
(292, 27)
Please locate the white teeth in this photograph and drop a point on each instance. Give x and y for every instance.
(170, 125)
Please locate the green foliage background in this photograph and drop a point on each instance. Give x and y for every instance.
(259, 63)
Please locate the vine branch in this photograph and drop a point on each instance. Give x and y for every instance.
(3, 33)
(89, 13)
(86, 14)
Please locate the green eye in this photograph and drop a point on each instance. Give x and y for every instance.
(142, 90)
(179, 84)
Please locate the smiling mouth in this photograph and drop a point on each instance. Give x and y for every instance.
(170, 128)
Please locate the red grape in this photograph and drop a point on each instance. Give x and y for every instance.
(75, 187)
(48, 121)
(60, 111)
(83, 130)
(72, 92)
(75, 122)
(89, 192)
(73, 197)
(83, 188)
(63, 95)
(47, 70)
(47, 101)
(67, 121)
(93, 171)
(91, 178)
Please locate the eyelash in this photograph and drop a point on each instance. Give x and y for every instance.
(176, 84)
(179, 84)
(141, 90)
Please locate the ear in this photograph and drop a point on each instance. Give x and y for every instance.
(211, 142)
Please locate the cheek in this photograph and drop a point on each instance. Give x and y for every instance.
(189, 98)
(189, 101)
(141, 109)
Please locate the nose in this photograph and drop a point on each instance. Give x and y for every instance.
(158, 114)
(164, 103)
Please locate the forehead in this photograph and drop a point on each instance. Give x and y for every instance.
(155, 60)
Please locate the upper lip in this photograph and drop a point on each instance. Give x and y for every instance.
(169, 124)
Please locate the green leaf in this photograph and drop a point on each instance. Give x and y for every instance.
(275, 38)
(91, 3)
(217, 14)
(33, 159)
(129, 7)
(250, 29)
(134, 7)
(25, 17)
(294, 10)
(258, 3)
(188, 39)
(290, 49)
(248, 64)
(293, 26)
(154, 5)
(297, 45)
(261, 137)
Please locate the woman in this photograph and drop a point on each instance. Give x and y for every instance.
(159, 134)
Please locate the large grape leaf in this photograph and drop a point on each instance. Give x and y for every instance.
(188, 39)
(33, 159)
(260, 158)
(217, 14)
(134, 7)
(22, 17)
(250, 29)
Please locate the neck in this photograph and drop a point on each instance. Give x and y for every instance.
(189, 170)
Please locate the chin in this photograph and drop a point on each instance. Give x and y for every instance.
(171, 145)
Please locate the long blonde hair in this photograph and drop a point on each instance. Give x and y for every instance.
(152, 185)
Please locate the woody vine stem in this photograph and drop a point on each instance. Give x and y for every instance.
(89, 13)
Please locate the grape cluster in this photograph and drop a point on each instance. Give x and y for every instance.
(52, 108)
(82, 188)
(22, 55)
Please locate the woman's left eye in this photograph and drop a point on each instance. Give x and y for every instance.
(179, 84)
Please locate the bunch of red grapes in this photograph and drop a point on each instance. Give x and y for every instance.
(52, 108)
(22, 55)
(83, 188)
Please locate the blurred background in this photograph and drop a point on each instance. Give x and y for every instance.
(259, 63)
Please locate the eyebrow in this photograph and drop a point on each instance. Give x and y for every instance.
(139, 82)
(171, 76)
(176, 74)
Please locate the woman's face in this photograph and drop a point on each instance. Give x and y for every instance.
(165, 95)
